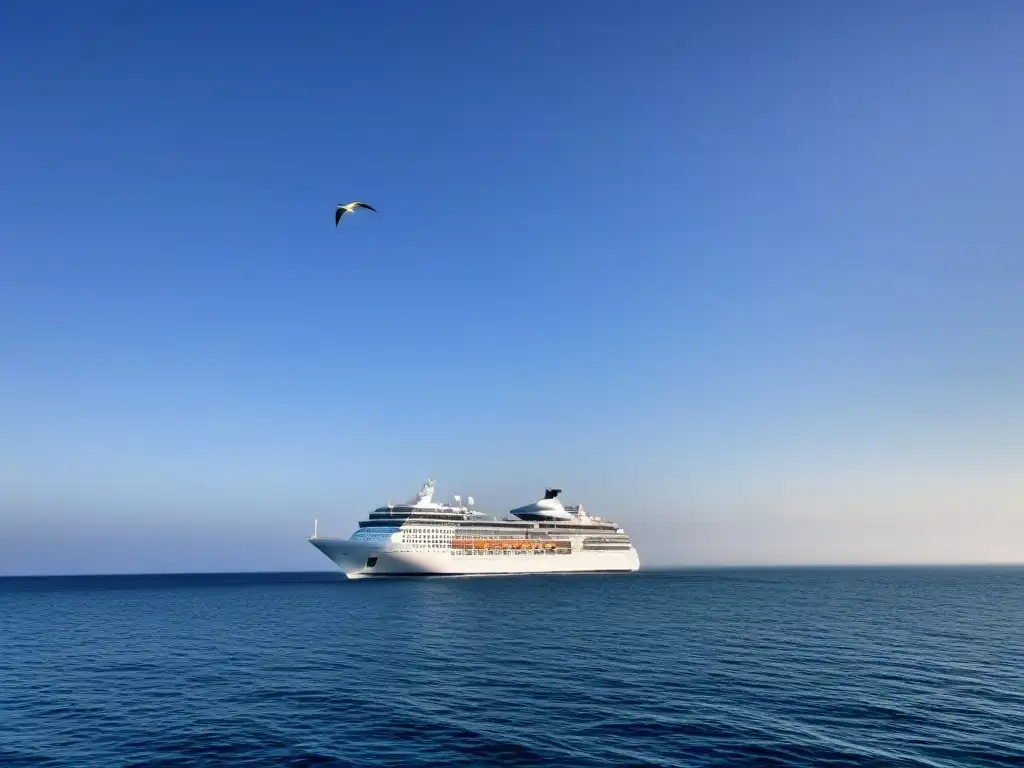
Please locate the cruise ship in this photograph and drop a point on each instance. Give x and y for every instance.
(425, 538)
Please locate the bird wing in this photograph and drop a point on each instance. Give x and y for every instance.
(338, 214)
(364, 205)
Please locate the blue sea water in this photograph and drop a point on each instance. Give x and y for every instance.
(747, 667)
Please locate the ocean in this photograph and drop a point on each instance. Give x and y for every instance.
(705, 667)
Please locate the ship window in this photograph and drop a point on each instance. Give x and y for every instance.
(371, 561)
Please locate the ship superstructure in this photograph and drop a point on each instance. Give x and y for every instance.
(424, 537)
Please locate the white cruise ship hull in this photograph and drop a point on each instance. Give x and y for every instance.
(358, 559)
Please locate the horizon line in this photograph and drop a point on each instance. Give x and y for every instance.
(650, 570)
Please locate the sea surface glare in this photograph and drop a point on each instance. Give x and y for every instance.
(748, 667)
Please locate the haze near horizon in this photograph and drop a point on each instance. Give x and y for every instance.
(745, 278)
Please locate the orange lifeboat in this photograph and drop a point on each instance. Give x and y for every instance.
(530, 545)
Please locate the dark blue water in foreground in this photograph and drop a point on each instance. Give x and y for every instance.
(802, 667)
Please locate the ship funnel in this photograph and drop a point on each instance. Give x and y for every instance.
(548, 508)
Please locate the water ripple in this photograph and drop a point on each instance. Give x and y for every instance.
(775, 667)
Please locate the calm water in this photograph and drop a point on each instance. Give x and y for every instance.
(802, 667)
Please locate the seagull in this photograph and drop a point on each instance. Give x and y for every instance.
(350, 208)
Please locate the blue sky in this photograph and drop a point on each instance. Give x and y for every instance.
(745, 276)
